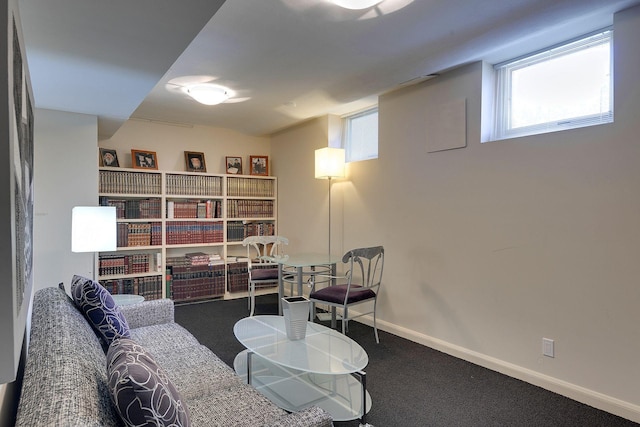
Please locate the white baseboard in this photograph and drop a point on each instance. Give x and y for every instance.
(589, 397)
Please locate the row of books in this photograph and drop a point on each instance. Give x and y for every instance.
(149, 287)
(191, 277)
(130, 182)
(134, 208)
(250, 208)
(186, 232)
(250, 187)
(124, 264)
(237, 231)
(194, 185)
(237, 277)
(139, 234)
(194, 209)
(188, 272)
(181, 291)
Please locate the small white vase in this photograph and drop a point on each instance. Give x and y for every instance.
(296, 314)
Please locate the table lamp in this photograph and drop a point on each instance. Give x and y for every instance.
(93, 229)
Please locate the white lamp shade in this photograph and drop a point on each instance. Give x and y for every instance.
(93, 229)
(329, 163)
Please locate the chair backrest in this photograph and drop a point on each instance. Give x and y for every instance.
(365, 266)
(261, 247)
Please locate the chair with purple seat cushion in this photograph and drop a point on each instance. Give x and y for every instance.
(263, 270)
(362, 283)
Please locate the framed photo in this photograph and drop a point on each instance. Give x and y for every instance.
(108, 157)
(234, 165)
(144, 159)
(259, 165)
(194, 162)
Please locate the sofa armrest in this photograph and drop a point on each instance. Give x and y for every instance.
(310, 417)
(147, 313)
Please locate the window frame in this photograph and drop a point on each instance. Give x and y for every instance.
(347, 121)
(503, 87)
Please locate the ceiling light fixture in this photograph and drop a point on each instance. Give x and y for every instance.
(207, 93)
(356, 4)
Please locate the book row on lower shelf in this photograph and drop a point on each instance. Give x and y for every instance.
(149, 287)
(189, 278)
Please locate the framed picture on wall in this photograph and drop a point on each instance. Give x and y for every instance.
(234, 165)
(141, 159)
(259, 165)
(108, 157)
(194, 162)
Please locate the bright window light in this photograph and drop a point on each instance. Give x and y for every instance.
(361, 135)
(564, 87)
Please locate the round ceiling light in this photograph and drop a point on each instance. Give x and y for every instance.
(207, 93)
(356, 4)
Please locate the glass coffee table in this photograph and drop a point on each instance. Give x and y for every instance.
(324, 369)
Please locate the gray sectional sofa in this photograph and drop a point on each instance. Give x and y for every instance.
(66, 381)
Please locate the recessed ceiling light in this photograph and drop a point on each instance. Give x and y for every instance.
(207, 93)
(356, 4)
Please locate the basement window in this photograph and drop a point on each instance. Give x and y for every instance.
(563, 87)
(361, 135)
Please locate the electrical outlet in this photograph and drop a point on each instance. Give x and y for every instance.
(547, 347)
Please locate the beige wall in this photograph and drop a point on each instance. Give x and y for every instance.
(494, 246)
(171, 141)
(304, 219)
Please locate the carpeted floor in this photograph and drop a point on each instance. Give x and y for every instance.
(413, 385)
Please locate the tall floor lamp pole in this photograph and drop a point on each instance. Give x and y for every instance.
(329, 165)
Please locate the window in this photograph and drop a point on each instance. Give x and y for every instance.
(564, 87)
(361, 135)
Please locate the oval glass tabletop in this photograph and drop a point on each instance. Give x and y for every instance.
(322, 351)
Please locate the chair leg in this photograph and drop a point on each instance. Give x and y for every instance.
(345, 319)
(252, 298)
(375, 327)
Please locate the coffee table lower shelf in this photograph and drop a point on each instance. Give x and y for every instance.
(294, 390)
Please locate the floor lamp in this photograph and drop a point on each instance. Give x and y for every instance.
(93, 229)
(329, 165)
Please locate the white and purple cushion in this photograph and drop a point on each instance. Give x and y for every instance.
(97, 305)
(140, 389)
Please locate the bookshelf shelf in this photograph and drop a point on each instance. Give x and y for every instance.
(189, 225)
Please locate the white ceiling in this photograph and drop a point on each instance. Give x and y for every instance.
(287, 60)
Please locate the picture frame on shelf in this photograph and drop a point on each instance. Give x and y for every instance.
(109, 158)
(233, 165)
(259, 165)
(142, 159)
(194, 161)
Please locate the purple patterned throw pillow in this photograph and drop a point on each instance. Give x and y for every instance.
(140, 390)
(97, 305)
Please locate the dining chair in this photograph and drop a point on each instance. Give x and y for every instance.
(360, 284)
(263, 271)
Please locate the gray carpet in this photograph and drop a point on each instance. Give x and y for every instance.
(413, 385)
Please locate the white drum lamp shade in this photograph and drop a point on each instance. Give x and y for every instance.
(93, 229)
(330, 163)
